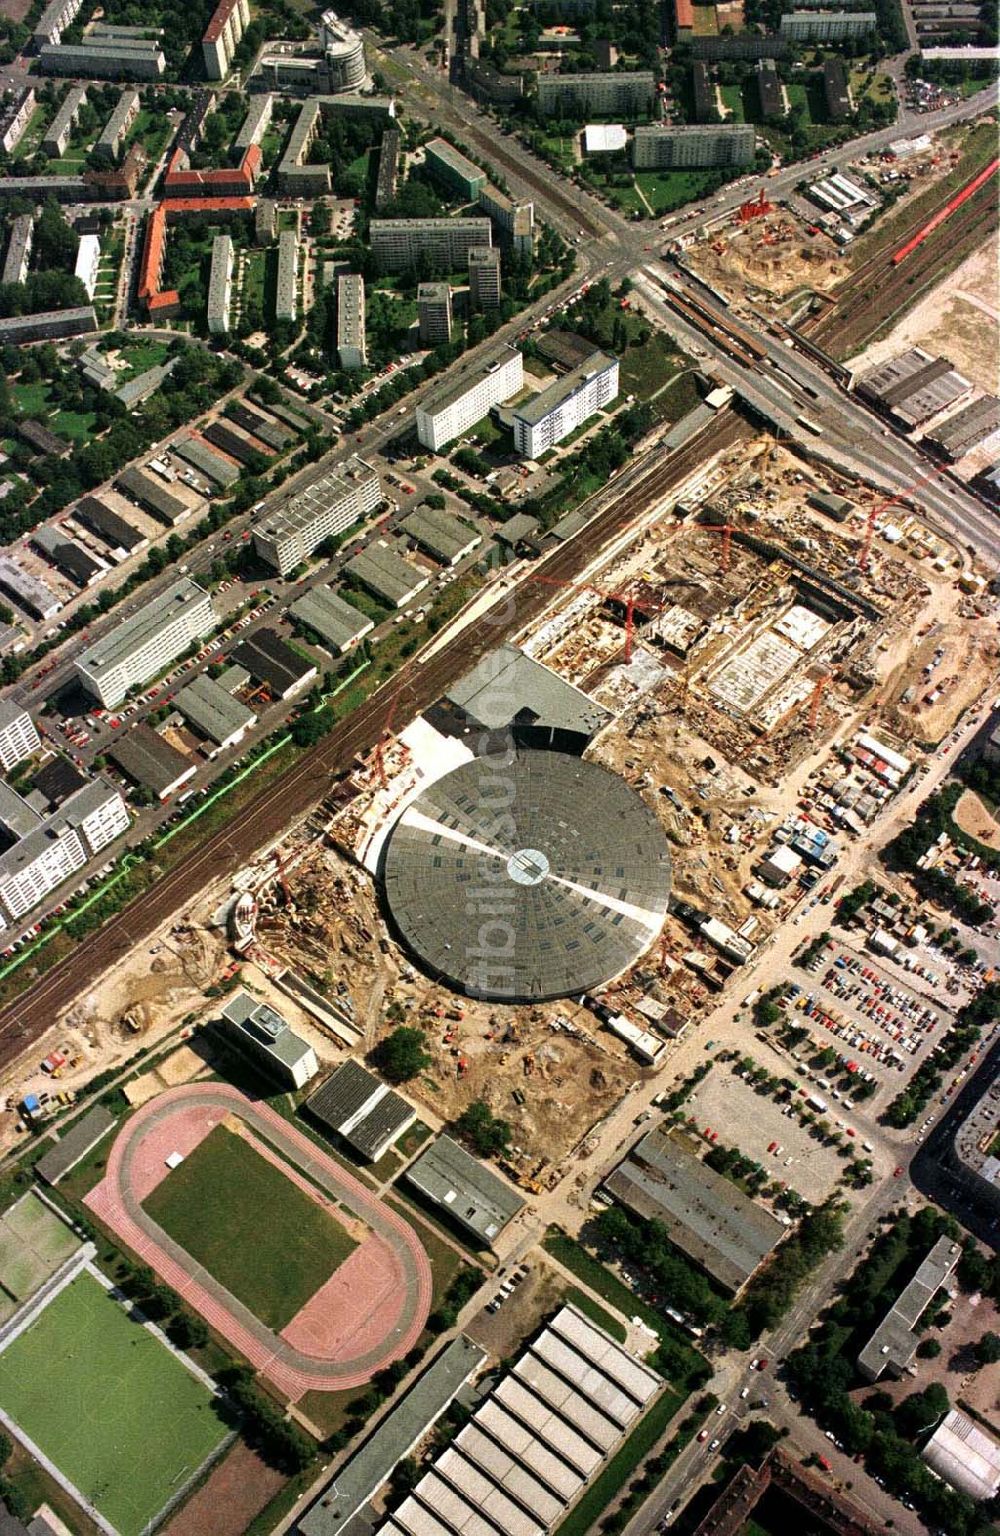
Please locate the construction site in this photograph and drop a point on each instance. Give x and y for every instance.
(715, 656)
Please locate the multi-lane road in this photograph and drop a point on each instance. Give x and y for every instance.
(295, 792)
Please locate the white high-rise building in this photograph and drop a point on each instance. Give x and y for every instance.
(147, 643)
(463, 401)
(555, 412)
(49, 849)
(18, 736)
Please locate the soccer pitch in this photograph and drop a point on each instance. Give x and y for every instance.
(255, 1232)
(33, 1244)
(111, 1406)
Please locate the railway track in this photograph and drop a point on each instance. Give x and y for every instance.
(887, 289)
(878, 269)
(302, 786)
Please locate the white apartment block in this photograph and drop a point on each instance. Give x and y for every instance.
(352, 351)
(57, 846)
(622, 94)
(220, 285)
(15, 117)
(147, 643)
(18, 737)
(458, 405)
(88, 261)
(54, 20)
(398, 244)
(557, 411)
(327, 507)
(222, 36)
(658, 147)
(285, 306)
(828, 26)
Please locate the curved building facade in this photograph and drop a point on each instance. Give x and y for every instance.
(344, 51)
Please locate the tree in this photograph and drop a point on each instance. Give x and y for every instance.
(929, 1349)
(488, 1135)
(402, 1054)
(187, 1331)
(988, 1349)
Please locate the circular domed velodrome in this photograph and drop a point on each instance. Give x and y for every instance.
(527, 876)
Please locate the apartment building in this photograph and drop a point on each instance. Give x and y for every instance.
(22, 234)
(352, 351)
(139, 59)
(15, 115)
(49, 849)
(50, 324)
(116, 128)
(255, 124)
(54, 20)
(220, 285)
(514, 222)
(18, 737)
(555, 412)
(697, 144)
(285, 302)
(146, 644)
(627, 94)
(458, 404)
(88, 261)
(58, 133)
(329, 506)
(295, 177)
(828, 26)
(399, 244)
(484, 278)
(222, 36)
(453, 170)
(388, 168)
(434, 313)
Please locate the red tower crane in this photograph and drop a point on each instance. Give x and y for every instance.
(822, 684)
(754, 209)
(628, 598)
(864, 554)
(379, 759)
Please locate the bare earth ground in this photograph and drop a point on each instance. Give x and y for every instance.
(15, 10)
(231, 1496)
(973, 817)
(958, 319)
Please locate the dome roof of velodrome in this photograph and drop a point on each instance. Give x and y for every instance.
(527, 876)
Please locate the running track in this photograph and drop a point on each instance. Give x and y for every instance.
(396, 1318)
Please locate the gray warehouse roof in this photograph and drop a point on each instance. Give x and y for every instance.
(147, 491)
(334, 621)
(507, 685)
(705, 1215)
(965, 1455)
(397, 1434)
(464, 1188)
(74, 1144)
(272, 661)
(147, 759)
(213, 710)
(444, 536)
(387, 573)
(894, 1343)
(196, 452)
(358, 1106)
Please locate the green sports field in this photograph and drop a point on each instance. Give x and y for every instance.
(255, 1231)
(33, 1244)
(117, 1413)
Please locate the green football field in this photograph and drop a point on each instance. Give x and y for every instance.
(117, 1413)
(256, 1232)
(33, 1244)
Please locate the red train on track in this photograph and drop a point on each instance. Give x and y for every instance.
(946, 212)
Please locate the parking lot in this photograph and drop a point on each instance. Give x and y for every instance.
(883, 1027)
(723, 1103)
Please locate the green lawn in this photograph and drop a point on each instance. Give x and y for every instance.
(645, 369)
(117, 1413)
(666, 190)
(732, 97)
(78, 426)
(255, 1231)
(31, 397)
